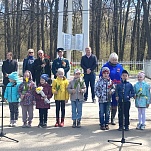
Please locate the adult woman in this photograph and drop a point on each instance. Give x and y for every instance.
(115, 75)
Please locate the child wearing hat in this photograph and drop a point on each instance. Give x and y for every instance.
(142, 99)
(12, 96)
(124, 92)
(61, 95)
(104, 89)
(76, 89)
(40, 100)
(26, 90)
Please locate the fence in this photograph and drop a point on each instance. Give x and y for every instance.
(133, 67)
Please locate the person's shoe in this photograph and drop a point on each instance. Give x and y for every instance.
(120, 128)
(85, 99)
(126, 128)
(24, 125)
(14, 124)
(57, 122)
(113, 122)
(44, 125)
(102, 127)
(107, 127)
(138, 127)
(62, 122)
(10, 125)
(142, 127)
(29, 124)
(40, 125)
(78, 123)
(93, 100)
(74, 124)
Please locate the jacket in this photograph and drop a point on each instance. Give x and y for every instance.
(63, 63)
(47, 89)
(78, 95)
(142, 93)
(102, 89)
(11, 92)
(124, 91)
(62, 91)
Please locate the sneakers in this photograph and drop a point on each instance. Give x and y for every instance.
(107, 127)
(44, 125)
(24, 125)
(120, 128)
(93, 100)
(126, 128)
(102, 127)
(74, 124)
(40, 125)
(29, 124)
(10, 125)
(142, 127)
(138, 127)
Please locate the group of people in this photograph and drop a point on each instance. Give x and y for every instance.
(112, 89)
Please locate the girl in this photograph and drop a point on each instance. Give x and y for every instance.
(40, 103)
(142, 99)
(12, 96)
(26, 90)
(61, 95)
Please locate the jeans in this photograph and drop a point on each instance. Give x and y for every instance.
(14, 111)
(76, 109)
(123, 112)
(89, 78)
(104, 113)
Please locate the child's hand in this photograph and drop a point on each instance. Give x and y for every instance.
(81, 91)
(117, 98)
(55, 92)
(66, 101)
(22, 96)
(73, 91)
(45, 97)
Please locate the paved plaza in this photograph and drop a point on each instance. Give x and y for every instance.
(87, 138)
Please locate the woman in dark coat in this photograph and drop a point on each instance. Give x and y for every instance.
(41, 66)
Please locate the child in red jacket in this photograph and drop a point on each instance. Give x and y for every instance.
(41, 104)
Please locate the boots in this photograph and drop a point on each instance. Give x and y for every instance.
(74, 124)
(62, 122)
(57, 122)
(78, 123)
(113, 113)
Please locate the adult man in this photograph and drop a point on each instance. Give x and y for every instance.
(28, 63)
(9, 66)
(60, 62)
(88, 64)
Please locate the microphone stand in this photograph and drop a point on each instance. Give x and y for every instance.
(2, 134)
(123, 137)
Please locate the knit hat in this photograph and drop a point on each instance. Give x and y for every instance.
(77, 71)
(105, 69)
(59, 49)
(13, 76)
(125, 71)
(45, 77)
(142, 74)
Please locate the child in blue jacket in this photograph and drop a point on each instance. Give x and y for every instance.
(124, 91)
(142, 99)
(12, 96)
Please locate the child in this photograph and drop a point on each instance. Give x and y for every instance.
(12, 96)
(124, 91)
(40, 100)
(26, 90)
(142, 99)
(76, 89)
(104, 88)
(61, 95)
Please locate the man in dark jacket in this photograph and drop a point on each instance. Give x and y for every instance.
(89, 64)
(60, 62)
(9, 66)
(28, 63)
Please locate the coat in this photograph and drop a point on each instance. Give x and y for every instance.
(47, 89)
(7, 68)
(62, 92)
(64, 63)
(11, 92)
(142, 97)
(78, 95)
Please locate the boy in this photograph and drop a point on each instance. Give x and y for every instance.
(76, 89)
(124, 91)
(104, 88)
